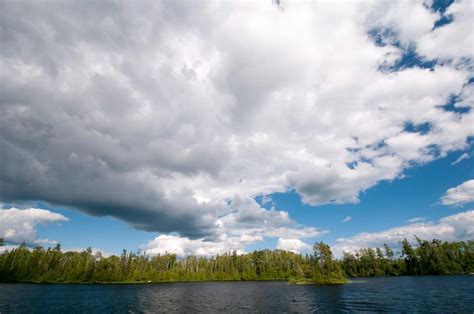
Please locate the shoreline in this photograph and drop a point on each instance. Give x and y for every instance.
(134, 282)
(302, 281)
(288, 281)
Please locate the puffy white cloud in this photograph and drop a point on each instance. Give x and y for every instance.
(449, 41)
(410, 19)
(158, 113)
(457, 227)
(183, 246)
(19, 225)
(293, 245)
(459, 195)
(247, 223)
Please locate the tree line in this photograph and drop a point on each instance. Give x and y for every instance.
(425, 258)
(52, 265)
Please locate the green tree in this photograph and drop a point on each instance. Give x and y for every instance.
(410, 258)
(52, 265)
(325, 268)
(388, 251)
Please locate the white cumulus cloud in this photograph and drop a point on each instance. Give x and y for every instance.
(19, 225)
(293, 245)
(246, 223)
(459, 195)
(457, 227)
(183, 246)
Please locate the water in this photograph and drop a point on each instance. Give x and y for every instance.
(395, 294)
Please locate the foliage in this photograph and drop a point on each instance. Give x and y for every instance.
(52, 265)
(325, 270)
(426, 258)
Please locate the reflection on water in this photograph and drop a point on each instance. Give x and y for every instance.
(395, 294)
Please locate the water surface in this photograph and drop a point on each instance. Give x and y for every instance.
(391, 294)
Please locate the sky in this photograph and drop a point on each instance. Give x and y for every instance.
(213, 126)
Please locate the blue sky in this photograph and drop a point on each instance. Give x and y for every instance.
(175, 127)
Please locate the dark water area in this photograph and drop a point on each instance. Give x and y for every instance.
(447, 294)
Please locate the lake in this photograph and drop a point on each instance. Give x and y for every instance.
(392, 294)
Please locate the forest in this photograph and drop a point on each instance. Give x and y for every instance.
(51, 265)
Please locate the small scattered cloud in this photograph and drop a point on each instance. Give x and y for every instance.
(461, 158)
(348, 218)
(416, 219)
(266, 199)
(459, 195)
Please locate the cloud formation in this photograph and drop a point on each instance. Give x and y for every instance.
(183, 246)
(160, 112)
(293, 245)
(247, 223)
(19, 225)
(457, 227)
(459, 195)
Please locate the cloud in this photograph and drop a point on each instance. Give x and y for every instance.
(293, 245)
(158, 113)
(6, 248)
(19, 225)
(459, 195)
(443, 42)
(348, 218)
(457, 227)
(183, 246)
(247, 223)
(95, 251)
(416, 219)
(461, 158)
(266, 199)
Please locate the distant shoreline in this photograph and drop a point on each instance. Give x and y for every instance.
(135, 282)
(303, 281)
